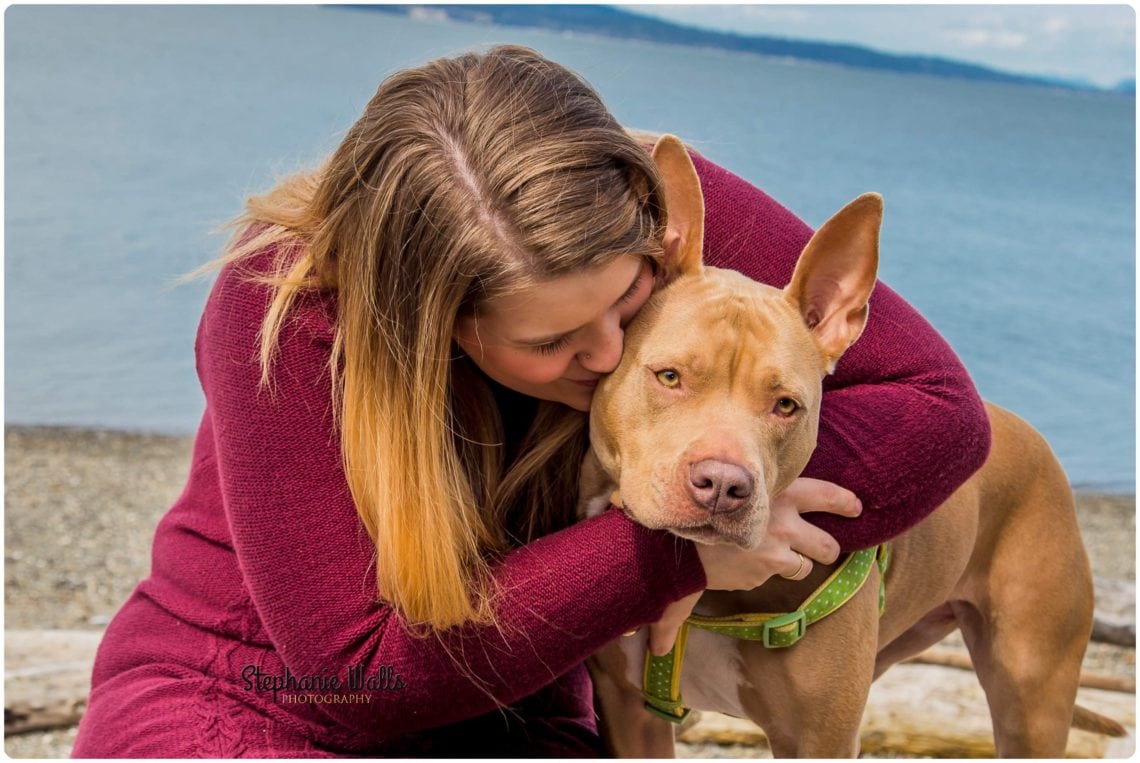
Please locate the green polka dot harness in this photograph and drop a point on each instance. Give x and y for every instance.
(662, 679)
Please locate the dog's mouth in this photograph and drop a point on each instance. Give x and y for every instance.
(740, 530)
(675, 512)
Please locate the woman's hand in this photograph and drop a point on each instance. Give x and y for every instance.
(789, 549)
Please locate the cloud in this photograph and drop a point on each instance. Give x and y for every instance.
(1056, 24)
(773, 13)
(1094, 42)
(1002, 39)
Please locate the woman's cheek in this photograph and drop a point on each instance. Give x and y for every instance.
(538, 369)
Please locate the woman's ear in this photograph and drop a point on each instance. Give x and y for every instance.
(684, 208)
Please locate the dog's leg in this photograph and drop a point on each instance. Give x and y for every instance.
(1027, 648)
(1029, 614)
(1030, 679)
(627, 728)
(809, 698)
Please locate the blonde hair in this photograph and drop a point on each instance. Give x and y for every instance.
(464, 179)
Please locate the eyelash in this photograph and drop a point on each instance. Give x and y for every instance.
(551, 348)
(632, 290)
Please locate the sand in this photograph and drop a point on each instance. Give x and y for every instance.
(81, 507)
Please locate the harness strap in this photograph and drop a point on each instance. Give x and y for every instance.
(661, 684)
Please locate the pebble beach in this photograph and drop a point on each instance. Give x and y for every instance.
(81, 506)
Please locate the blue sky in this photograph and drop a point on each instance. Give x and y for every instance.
(1091, 42)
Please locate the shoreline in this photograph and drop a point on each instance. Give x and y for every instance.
(121, 437)
(81, 506)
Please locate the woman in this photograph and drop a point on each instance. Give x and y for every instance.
(375, 551)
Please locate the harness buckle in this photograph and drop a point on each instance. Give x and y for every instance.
(671, 717)
(784, 630)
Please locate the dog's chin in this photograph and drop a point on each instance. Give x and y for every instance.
(711, 535)
(741, 529)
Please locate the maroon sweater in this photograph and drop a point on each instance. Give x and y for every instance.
(261, 570)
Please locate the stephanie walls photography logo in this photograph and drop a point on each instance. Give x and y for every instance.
(357, 686)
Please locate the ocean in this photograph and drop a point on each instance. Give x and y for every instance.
(135, 132)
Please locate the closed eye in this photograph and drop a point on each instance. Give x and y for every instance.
(633, 287)
(557, 345)
(550, 348)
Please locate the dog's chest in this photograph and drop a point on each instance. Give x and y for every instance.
(711, 675)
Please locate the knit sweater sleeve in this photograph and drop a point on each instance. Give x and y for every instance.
(309, 567)
(901, 424)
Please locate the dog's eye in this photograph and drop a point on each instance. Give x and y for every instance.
(785, 406)
(669, 378)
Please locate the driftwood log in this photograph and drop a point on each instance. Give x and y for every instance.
(47, 675)
(1115, 617)
(914, 710)
(928, 711)
(956, 658)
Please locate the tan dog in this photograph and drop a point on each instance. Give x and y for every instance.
(1002, 559)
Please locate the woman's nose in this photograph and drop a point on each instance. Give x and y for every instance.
(604, 352)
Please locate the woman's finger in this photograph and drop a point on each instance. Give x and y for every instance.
(808, 494)
(799, 566)
(815, 544)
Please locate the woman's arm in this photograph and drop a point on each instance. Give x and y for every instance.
(308, 565)
(901, 425)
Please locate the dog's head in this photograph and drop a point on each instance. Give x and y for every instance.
(714, 408)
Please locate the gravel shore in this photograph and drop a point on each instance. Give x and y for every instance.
(81, 507)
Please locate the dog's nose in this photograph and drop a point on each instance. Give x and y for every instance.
(718, 486)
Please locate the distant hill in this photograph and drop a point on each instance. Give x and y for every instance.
(608, 21)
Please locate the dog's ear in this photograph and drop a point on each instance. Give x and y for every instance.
(836, 274)
(684, 207)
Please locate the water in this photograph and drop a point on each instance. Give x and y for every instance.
(134, 131)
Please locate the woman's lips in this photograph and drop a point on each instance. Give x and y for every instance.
(588, 383)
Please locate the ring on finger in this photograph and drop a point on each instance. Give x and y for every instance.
(799, 569)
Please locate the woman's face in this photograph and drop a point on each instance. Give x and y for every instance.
(555, 339)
